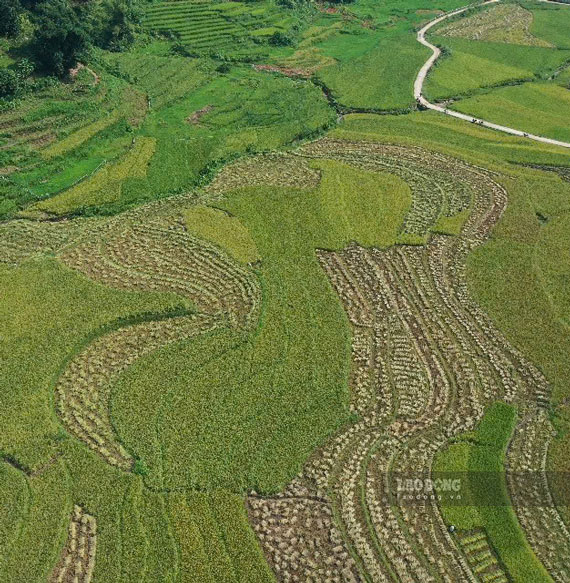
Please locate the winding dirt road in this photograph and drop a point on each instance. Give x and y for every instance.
(419, 82)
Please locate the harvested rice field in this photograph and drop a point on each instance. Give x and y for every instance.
(266, 318)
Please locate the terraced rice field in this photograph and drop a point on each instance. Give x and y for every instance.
(89, 117)
(238, 350)
(203, 25)
(496, 62)
(426, 363)
(78, 558)
(509, 23)
(194, 23)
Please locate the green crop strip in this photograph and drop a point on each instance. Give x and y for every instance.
(487, 504)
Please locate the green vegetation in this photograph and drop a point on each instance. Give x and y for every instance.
(223, 230)
(246, 111)
(11, 11)
(16, 498)
(514, 260)
(377, 44)
(203, 27)
(61, 39)
(506, 64)
(551, 24)
(58, 34)
(507, 23)
(162, 79)
(168, 96)
(41, 527)
(479, 460)
(79, 137)
(538, 108)
(216, 540)
(517, 274)
(48, 310)
(504, 273)
(105, 185)
(472, 65)
(443, 133)
(361, 206)
(61, 134)
(303, 403)
(389, 80)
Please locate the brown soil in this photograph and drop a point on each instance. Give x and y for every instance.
(327, 9)
(7, 170)
(288, 71)
(196, 116)
(73, 73)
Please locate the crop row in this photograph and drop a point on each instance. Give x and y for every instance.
(528, 484)
(23, 239)
(265, 170)
(77, 559)
(105, 184)
(481, 557)
(160, 257)
(195, 23)
(37, 125)
(426, 362)
(436, 191)
(293, 557)
(83, 390)
(508, 23)
(164, 79)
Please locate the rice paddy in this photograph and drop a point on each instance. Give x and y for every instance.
(506, 64)
(203, 26)
(249, 336)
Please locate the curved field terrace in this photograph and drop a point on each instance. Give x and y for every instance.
(268, 314)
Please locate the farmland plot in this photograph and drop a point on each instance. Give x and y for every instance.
(411, 317)
(227, 383)
(508, 23)
(232, 377)
(203, 26)
(78, 558)
(473, 65)
(154, 257)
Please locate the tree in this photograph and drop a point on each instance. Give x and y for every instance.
(9, 83)
(13, 80)
(116, 24)
(10, 11)
(280, 39)
(61, 39)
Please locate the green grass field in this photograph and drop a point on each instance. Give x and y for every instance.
(390, 80)
(507, 65)
(386, 55)
(472, 65)
(551, 24)
(305, 403)
(44, 338)
(217, 27)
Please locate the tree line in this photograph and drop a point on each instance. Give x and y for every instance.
(57, 34)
